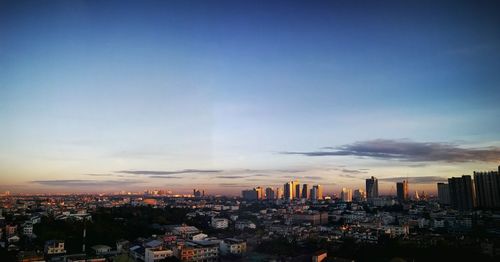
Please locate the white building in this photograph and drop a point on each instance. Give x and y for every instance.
(157, 254)
(185, 231)
(220, 223)
(199, 236)
(54, 247)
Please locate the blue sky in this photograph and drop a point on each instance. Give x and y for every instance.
(92, 88)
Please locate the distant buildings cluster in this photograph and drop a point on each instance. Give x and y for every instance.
(465, 193)
(293, 190)
(290, 191)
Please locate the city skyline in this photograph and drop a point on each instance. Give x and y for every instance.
(109, 96)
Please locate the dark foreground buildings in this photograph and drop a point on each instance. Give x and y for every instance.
(464, 193)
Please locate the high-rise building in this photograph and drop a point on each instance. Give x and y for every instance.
(260, 192)
(305, 192)
(279, 193)
(443, 193)
(346, 194)
(198, 193)
(316, 192)
(359, 195)
(371, 188)
(402, 188)
(298, 192)
(461, 192)
(290, 190)
(249, 194)
(487, 186)
(270, 193)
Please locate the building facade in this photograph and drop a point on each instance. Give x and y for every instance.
(402, 190)
(461, 193)
(487, 187)
(443, 193)
(371, 188)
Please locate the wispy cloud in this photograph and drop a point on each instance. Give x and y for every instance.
(241, 176)
(165, 177)
(304, 177)
(406, 150)
(167, 173)
(353, 171)
(231, 177)
(417, 179)
(82, 183)
(99, 175)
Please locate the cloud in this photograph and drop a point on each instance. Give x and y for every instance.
(241, 176)
(231, 177)
(237, 185)
(99, 175)
(416, 180)
(83, 183)
(165, 177)
(304, 177)
(348, 176)
(166, 173)
(353, 171)
(406, 150)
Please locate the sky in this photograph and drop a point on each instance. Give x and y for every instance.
(103, 96)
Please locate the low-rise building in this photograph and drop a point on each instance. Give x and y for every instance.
(28, 229)
(233, 246)
(101, 249)
(220, 223)
(315, 218)
(54, 247)
(157, 254)
(198, 251)
(185, 231)
(242, 224)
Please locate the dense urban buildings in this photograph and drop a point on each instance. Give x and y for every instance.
(200, 227)
(465, 193)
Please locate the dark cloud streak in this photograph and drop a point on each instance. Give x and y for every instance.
(167, 173)
(83, 183)
(416, 180)
(406, 150)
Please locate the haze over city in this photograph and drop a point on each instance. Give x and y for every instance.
(104, 96)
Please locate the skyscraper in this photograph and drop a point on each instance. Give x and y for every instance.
(461, 192)
(371, 188)
(305, 191)
(316, 192)
(270, 193)
(260, 192)
(250, 194)
(402, 188)
(359, 195)
(487, 186)
(346, 194)
(279, 193)
(298, 192)
(290, 190)
(443, 193)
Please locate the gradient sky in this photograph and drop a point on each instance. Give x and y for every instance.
(107, 95)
